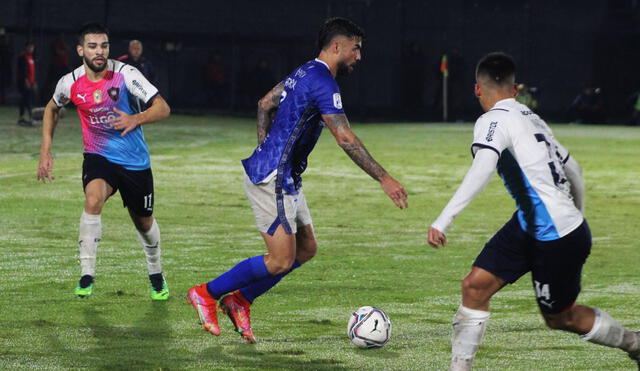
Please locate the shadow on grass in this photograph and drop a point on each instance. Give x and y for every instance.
(140, 346)
(248, 357)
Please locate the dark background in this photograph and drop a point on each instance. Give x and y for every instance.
(559, 46)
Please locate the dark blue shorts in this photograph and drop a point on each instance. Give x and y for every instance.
(555, 266)
(136, 186)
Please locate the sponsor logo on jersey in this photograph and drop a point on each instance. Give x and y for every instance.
(492, 130)
(526, 113)
(300, 73)
(102, 120)
(114, 93)
(97, 96)
(290, 83)
(337, 100)
(82, 96)
(139, 86)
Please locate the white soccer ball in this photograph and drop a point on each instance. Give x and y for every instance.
(369, 327)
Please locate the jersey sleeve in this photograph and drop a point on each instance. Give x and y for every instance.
(489, 132)
(326, 96)
(138, 85)
(62, 94)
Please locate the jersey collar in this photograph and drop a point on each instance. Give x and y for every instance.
(326, 65)
(503, 101)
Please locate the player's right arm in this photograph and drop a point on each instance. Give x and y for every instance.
(489, 140)
(49, 123)
(266, 107)
(351, 144)
(61, 97)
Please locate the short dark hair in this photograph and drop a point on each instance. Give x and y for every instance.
(499, 67)
(335, 26)
(91, 28)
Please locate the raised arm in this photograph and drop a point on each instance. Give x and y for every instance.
(266, 106)
(351, 144)
(159, 110)
(49, 123)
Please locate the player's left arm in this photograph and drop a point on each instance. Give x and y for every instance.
(351, 144)
(573, 171)
(267, 106)
(159, 110)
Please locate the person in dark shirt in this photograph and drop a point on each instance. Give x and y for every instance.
(26, 82)
(135, 58)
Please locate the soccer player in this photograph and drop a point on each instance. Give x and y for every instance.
(115, 153)
(547, 235)
(303, 103)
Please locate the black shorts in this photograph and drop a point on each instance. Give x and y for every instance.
(555, 266)
(136, 186)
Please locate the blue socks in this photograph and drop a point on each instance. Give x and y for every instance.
(258, 288)
(245, 273)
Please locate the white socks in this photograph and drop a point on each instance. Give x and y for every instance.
(150, 241)
(468, 328)
(609, 332)
(90, 234)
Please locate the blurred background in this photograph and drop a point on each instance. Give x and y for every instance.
(578, 61)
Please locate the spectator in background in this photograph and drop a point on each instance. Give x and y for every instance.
(137, 60)
(6, 54)
(525, 97)
(26, 81)
(635, 118)
(588, 106)
(215, 81)
(58, 67)
(261, 79)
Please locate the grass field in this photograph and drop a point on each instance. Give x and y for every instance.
(370, 253)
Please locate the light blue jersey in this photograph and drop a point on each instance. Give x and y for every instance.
(531, 165)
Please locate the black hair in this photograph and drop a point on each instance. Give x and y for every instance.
(336, 26)
(91, 28)
(499, 67)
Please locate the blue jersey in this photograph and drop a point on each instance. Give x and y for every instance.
(309, 92)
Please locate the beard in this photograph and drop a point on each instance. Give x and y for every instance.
(344, 69)
(93, 67)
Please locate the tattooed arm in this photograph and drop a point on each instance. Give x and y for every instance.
(266, 108)
(351, 144)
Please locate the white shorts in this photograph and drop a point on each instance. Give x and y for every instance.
(264, 202)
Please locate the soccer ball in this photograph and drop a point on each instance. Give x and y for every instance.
(369, 327)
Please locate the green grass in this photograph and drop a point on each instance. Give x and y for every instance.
(370, 253)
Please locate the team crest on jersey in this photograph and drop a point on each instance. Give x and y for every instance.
(62, 99)
(114, 93)
(97, 96)
(337, 100)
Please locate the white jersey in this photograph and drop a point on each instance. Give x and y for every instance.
(531, 166)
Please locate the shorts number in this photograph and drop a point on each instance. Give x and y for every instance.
(148, 201)
(542, 290)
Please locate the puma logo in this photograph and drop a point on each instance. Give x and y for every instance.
(83, 97)
(375, 326)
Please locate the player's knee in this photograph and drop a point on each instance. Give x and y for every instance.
(279, 265)
(307, 252)
(93, 204)
(560, 321)
(474, 289)
(143, 225)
